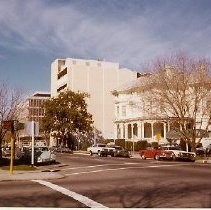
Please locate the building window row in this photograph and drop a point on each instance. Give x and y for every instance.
(36, 112)
(36, 102)
(62, 73)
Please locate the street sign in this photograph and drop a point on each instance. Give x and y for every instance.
(12, 125)
(7, 124)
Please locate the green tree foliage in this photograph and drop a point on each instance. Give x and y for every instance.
(67, 114)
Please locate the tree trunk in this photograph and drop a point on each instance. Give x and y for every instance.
(0, 148)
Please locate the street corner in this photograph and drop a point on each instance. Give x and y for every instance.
(205, 161)
(21, 176)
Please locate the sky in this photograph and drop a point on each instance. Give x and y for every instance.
(33, 33)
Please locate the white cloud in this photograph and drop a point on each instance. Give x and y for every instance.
(69, 30)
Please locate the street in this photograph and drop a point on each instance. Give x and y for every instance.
(115, 183)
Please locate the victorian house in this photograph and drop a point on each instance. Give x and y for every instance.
(137, 117)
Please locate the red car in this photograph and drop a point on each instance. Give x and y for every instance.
(156, 153)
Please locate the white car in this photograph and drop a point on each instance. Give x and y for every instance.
(99, 149)
(43, 155)
(178, 154)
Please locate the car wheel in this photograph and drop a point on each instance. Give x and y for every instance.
(157, 157)
(174, 157)
(99, 154)
(90, 152)
(143, 157)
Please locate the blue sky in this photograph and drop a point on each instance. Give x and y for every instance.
(131, 32)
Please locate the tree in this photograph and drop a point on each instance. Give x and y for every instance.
(11, 107)
(66, 116)
(179, 88)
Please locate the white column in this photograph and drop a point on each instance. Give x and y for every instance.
(115, 131)
(142, 130)
(152, 129)
(139, 124)
(126, 130)
(164, 131)
(121, 130)
(132, 126)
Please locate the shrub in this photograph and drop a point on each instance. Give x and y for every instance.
(140, 145)
(154, 144)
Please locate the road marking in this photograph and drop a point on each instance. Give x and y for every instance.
(83, 199)
(94, 166)
(116, 169)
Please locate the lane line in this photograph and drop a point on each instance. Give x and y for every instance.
(83, 199)
(94, 166)
(116, 169)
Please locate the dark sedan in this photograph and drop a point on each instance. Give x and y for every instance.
(121, 152)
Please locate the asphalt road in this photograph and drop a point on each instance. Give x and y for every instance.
(114, 182)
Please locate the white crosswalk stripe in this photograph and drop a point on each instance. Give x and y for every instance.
(83, 199)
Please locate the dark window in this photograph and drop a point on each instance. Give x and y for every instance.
(62, 87)
(62, 73)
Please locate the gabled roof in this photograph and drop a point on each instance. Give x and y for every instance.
(135, 85)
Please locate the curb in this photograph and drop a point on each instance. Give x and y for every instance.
(21, 176)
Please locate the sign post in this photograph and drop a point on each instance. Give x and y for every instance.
(32, 134)
(12, 154)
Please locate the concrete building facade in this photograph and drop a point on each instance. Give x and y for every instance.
(98, 78)
(33, 111)
(35, 106)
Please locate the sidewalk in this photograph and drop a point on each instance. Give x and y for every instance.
(28, 175)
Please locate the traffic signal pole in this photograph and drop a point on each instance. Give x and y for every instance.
(12, 152)
(12, 126)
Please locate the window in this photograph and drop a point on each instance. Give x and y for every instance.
(117, 111)
(124, 111)
(62, 73)
(61, 88)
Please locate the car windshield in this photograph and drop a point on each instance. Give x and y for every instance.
(101, 145)
(42, 148)
(171, 148)
(118, 148)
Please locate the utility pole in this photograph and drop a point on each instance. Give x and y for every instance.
(32, 134)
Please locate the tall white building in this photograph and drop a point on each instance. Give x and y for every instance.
(98, 78)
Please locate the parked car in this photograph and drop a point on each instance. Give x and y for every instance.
(178, 154)
(121, 152)
(200, 151)
(156, 153)
(208, 150)
(41, 155)
(6, 151)
(99, 149)
(63, 150)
